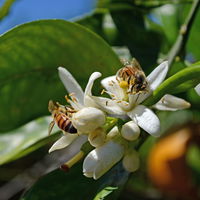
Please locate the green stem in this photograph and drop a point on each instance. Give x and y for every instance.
(4, 10)
(179, 46)
(170, 84)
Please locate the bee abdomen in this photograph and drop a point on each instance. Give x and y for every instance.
(65, 124)
(70, 128)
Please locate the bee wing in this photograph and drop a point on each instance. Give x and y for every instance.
(136, 64)
(51, 125)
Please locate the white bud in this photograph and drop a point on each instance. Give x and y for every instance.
(101, 159)
(113, 132)
(97, 137)
(130, 131)
(171, 103)
(131, 161)
(88, 119)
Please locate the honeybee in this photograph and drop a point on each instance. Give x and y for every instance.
(61, 116)
(132, 77)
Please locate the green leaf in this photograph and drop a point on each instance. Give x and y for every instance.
(169, 85)
(74, 185)
(30, 55)
(24, 140)
(63, 185)
(104, 193)
(193, 160)
(143, 43)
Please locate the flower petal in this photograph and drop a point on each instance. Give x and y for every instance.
(155, 78)
(111, 85)
(171, 103)
(89, 163)
(197, 88)
(88, 89)
(63, 142)
(108, 105)
(71, 84)
(108, 155)
(146, 119)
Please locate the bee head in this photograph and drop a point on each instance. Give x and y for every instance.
(52, 106)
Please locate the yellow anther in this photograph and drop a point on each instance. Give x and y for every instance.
(123, 84)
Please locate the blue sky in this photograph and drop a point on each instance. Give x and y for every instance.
(29, 10)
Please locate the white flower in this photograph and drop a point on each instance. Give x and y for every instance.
(87, 118)
(126, 104)
(197, 89)
(101, 159)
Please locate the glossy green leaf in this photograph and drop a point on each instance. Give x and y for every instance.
(30, 55)
(74, 185)
(170, 84)
(104, 193)
(24, 140)
(193, 160)
(63, 185)
(143, 43)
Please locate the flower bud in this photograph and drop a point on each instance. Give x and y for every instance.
(97, 137)
(130, 131)
(88, 119)
(131, 161)
(101, 159)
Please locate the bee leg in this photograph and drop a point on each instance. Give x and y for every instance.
(51, 125)
(137, 97)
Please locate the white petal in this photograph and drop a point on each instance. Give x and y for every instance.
(88, 89)
(71, 84)
(63, 142)
(109, 106)
(111, 85)
(197, 88)
(108, 155)
(113, 132)
(146, 119)
(90, 163)
(171, 103)
(155, 78)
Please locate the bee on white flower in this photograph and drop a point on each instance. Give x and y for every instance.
(126, 98)
(86, 117)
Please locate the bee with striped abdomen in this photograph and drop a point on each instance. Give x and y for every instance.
(132, 77)
(61, 116)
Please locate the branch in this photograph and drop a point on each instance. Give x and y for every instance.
(179, 46)
(4, 10)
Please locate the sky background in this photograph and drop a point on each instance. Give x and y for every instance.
(29, 10)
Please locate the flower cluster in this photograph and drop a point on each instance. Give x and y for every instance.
(90, 114)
